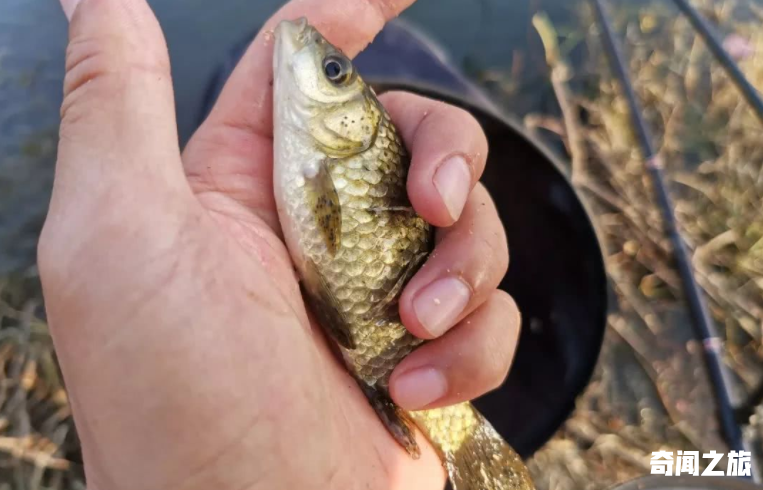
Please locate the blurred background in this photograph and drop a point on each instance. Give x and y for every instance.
(650, 390)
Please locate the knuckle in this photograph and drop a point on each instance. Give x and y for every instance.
(497, 364)
(490, 342)
(498, 347)
(500, 375)
(57, 250)
(99, 67)
(47, 260)
(394, 96)
(85, 57)
(503, 258)
(464, 117)
(466, 121)
(496, 238)
(507, 309)
(88, 68)
(56, 255)
(489, 261)
(490, 366)
(385, 9)
(505, 302)
(497, 243)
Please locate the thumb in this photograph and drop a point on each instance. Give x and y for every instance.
(119, 194)
(118, 117)
(119, 174)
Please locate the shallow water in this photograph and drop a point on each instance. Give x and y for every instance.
(479, 35)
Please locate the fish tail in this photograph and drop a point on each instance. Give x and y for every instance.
(474, 454)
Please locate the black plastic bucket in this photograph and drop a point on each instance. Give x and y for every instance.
(556, 273)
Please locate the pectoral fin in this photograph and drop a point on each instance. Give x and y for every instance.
(324, 203)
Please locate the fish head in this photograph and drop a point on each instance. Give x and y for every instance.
(319, 94)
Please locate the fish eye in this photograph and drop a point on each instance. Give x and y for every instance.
(337, 69)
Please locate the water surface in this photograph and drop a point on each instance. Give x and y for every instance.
(479, 35)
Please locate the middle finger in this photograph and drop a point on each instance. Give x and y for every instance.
(468, 263)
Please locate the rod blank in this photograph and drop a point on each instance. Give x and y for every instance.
(714, 43)
(704, 326)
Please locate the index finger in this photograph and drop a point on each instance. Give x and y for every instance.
(350, 25)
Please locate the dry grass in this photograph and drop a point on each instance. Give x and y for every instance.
(36, 428)
(650, 390)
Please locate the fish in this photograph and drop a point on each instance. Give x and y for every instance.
(339, 180)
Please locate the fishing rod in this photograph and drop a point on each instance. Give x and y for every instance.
(714, 43)
(704, 326)
(752, 96)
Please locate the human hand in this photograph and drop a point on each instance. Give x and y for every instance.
(189, 356)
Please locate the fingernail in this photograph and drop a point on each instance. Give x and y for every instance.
(453, 181)
(69, 6)
(438, 305)
(420, 387)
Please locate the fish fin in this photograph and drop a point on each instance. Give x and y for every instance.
(326, 307)
(392, 296)
(394, 419)
(324, 203)
(474, 453)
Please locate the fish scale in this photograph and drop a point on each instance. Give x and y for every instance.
(340, 185)
(375, 247)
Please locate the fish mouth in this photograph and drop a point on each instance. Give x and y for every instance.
(293, 36)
